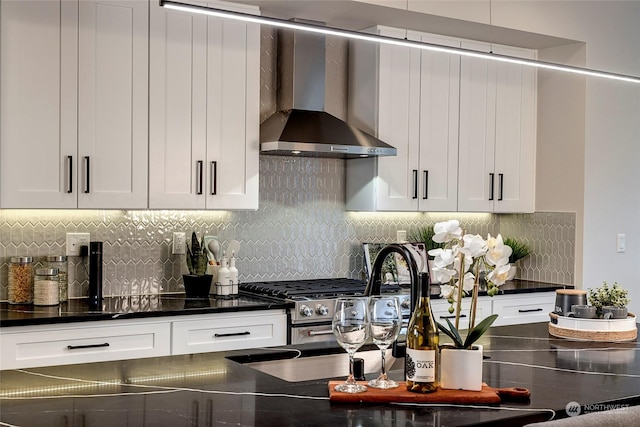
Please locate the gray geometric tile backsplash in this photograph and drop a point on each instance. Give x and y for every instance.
(300, 231)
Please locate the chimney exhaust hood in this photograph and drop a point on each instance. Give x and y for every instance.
(303, 127)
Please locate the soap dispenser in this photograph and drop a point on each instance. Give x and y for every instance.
(224, 279)
(233, 274)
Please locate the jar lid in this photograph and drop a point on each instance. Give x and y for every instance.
(57, 258)
(46, 271)
(22, 259)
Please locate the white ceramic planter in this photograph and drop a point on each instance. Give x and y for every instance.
(461, 369)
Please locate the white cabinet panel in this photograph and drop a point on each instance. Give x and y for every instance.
(204, 111)
(497, 133)
(228, 332)
(412, 104)
(24, 347)
(74, 104)
(38, 108)
(523, 308)
(113, 104)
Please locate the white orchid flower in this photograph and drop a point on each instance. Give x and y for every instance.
(444, 232)
(446, 291)
(474, 246)
(498, 253)
(442, 275)
(469, 281)
(500, 274)
(442, 257)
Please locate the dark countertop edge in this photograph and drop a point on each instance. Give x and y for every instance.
(513, 288)
(96, 316)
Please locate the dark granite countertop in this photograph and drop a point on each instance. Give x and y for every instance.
(78, 310)
(211, 389)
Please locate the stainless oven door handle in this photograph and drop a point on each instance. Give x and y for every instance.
(313, 333)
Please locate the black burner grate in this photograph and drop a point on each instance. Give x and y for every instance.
(320, 288)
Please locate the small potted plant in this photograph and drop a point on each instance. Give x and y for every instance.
(458, 265)
(612, 299)
(196, 284)
(519, 250)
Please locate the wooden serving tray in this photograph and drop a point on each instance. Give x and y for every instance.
(487, 395)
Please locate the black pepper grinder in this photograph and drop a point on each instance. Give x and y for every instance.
(95, 274)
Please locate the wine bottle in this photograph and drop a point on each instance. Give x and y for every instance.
(422, 359)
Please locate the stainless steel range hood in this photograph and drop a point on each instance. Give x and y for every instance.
(302, 127)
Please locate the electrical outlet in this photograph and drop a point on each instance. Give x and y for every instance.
(179, 243)
(75, 241)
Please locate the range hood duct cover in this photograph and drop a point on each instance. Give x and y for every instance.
(302, 127)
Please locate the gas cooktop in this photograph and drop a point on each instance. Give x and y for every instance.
(312, 288)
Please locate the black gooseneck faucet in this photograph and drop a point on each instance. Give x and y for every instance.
(375, 281)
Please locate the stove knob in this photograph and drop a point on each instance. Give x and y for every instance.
(405, 304)
(306, 311)
(322, 309)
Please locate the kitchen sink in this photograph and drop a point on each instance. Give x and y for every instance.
(324, 366)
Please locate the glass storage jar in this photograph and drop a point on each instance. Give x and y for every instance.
(60, 262)
(46, 287)
(21, 280)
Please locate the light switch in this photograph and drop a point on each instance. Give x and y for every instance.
(621, 243)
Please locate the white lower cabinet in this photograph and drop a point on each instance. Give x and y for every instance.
(44, 345)
(233, 331)
(523, 308)
(100, 341)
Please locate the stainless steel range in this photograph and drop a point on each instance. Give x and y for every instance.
(314, 300)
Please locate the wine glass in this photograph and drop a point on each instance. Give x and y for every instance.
(385, 322)
(350, 328)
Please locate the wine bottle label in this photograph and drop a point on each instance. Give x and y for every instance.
(421, 365)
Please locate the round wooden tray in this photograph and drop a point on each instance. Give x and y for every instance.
(593, 329)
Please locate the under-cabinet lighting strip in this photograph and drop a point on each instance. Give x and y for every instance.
(281, 23)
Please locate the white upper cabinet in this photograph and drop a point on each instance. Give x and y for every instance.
(404, 97)
(113, 104)
(497, 133)
(204, 111)
(38, 107)
(74, 104)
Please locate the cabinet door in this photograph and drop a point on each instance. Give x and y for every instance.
(515, 133)
(233, 122)
(497, 133)
(113, 104)
(177, 109)
(476, 167)
(439, 110)
(398, 118)
(38, 108)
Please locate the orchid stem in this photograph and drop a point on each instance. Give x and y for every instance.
(460, 291)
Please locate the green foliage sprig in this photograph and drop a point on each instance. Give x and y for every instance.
(519, 249)
(604, 296)
(425, 235)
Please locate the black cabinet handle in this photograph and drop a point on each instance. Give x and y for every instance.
(452, 316)
(199, 177)
(415, 183)
(425, 194)
(214, 178)
(87, 174)
(232, 334)
(78, 347)
(491, 178)
(529, 310)
(69, 174)
(501, 184)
